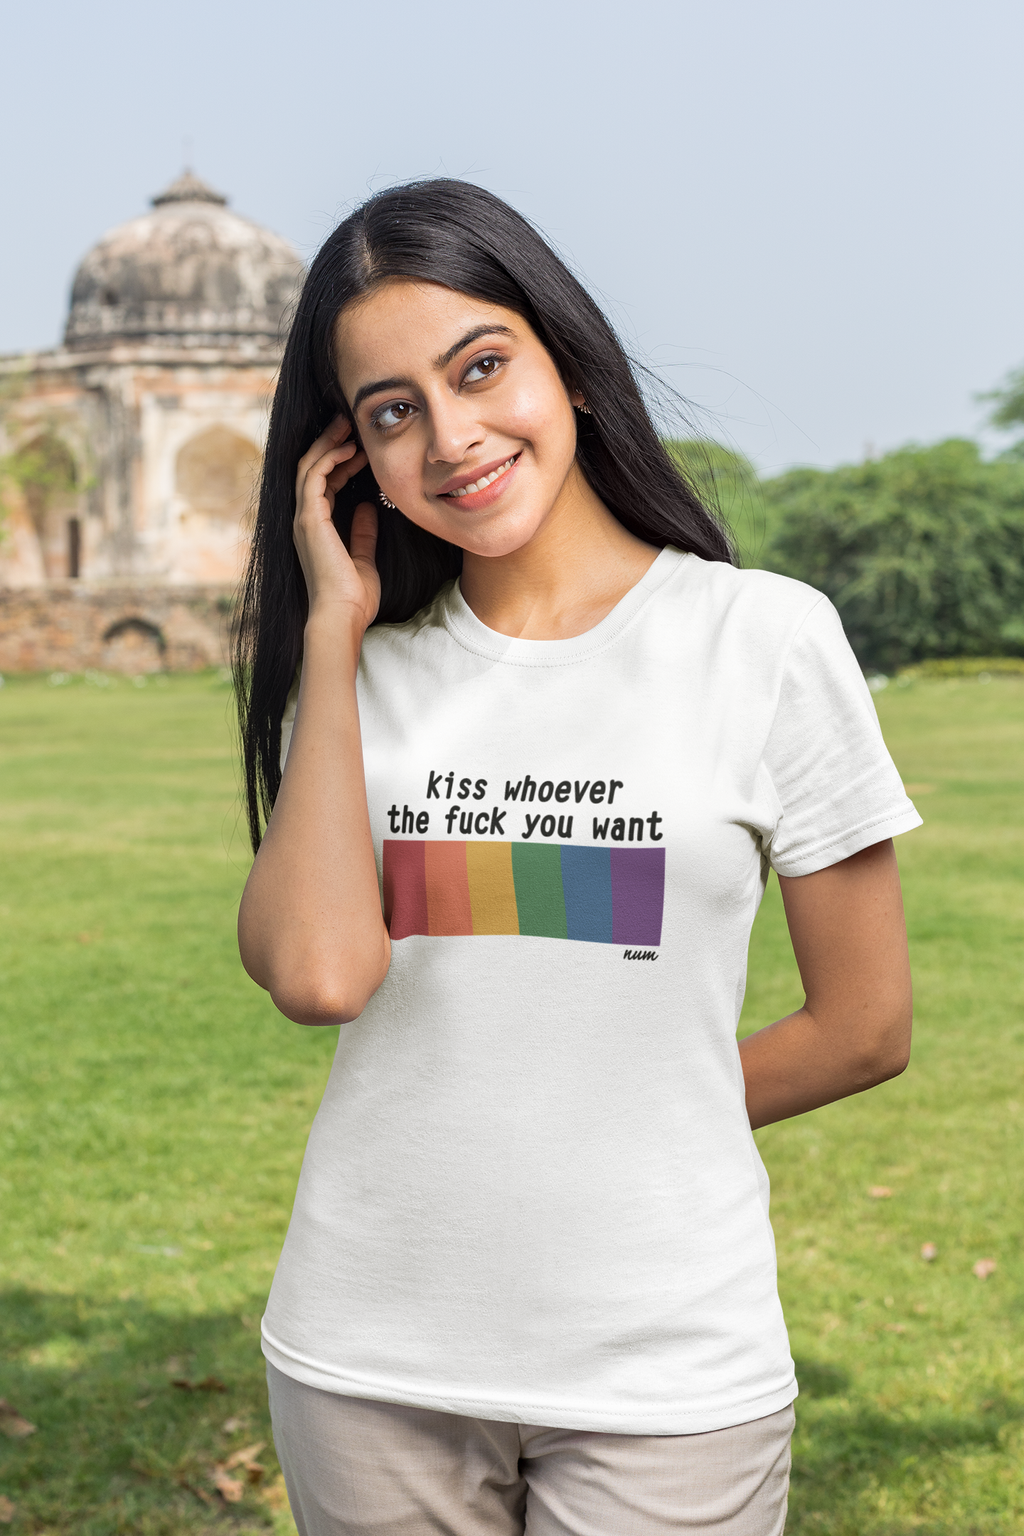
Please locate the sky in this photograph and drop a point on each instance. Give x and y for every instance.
(806, 215)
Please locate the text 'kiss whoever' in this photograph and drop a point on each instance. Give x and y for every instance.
(464, 819)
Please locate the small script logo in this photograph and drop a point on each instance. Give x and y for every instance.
(639, 954)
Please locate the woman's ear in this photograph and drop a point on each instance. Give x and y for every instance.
(343, 410)
(339, 406)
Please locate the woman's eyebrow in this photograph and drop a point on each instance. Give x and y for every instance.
(440, 362)
(373, 389)
(468, 339)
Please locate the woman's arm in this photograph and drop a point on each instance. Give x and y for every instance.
(850, 942)
(310, 928)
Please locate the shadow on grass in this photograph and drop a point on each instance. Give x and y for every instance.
(118, 1449)
(860, 1472)
(818, 1378)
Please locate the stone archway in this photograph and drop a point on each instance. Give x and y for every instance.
(215, 472)
(45, 472)
(214, 476)
(133, 645)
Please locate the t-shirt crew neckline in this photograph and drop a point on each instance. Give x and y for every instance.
(465, 628)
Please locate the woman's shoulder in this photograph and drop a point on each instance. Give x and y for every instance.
(748, 595)
(751, 584)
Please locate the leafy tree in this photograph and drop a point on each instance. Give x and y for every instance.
(727, 484)
(922, 550)
(1009, 409)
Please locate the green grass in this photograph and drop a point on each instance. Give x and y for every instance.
(155, 1109)
(912, 1410)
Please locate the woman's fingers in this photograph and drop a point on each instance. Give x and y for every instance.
(341, 457)
(362, 549)
(333, 573)
(324, 478)
(331, 439)
(362, 543)
(338, 430)
(342, 473)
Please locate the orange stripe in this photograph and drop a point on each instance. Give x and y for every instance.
(448, 908)
(492, 890)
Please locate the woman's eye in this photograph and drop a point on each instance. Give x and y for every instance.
(392, 414)
(483, 368)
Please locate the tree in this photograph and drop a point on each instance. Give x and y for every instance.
(728, 486)
(922, 550)
(1009, 410)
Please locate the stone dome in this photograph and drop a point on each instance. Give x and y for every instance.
(188, 274)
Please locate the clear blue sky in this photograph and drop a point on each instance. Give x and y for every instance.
(807, 214)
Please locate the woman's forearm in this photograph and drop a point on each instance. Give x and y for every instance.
(850, 942)
(310, 926)
(799, 1063)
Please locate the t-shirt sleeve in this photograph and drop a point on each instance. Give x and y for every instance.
(837, 787)
(288, 725)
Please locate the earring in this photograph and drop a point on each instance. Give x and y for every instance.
(386, 502)
(584, 409)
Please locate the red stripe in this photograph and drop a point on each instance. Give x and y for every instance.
(405, 889)
(448, 889)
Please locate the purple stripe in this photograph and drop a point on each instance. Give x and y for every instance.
(638, 895)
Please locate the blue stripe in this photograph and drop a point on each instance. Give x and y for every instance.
(587, 883)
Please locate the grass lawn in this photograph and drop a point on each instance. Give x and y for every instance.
(155, 1110)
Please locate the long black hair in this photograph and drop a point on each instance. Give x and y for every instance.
(460, 236)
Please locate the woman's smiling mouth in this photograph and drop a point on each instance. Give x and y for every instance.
(483, 482)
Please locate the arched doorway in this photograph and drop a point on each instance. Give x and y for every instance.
(215, 476)
(45, 472)
(216, 471)
(133, 645)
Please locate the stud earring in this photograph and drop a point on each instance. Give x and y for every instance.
(584, 409)
(386, 502)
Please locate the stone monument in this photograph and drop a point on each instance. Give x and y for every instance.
(128, 455)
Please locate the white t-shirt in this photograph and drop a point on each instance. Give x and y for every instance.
(531, 1192)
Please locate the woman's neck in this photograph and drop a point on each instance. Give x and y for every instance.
(578, 565)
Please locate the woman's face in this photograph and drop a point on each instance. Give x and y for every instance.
(451, 393)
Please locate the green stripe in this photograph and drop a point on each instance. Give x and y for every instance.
(537, 872)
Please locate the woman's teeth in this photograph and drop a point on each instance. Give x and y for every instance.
(478, 485)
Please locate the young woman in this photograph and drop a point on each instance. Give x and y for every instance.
(548, 741)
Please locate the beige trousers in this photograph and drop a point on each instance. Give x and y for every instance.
(353, 1467)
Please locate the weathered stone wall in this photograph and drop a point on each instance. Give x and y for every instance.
(75, 627)
(164, 449)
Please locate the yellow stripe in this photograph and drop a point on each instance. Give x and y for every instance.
(492, 891)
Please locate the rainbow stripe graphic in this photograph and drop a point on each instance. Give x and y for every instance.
(556, 891)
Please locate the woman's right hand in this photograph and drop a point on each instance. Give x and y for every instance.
(336, 577)
(310, 927)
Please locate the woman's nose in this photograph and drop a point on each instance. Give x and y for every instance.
(454, 431)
